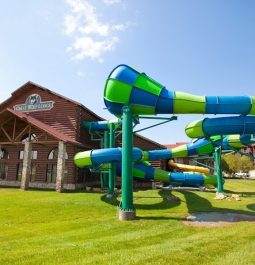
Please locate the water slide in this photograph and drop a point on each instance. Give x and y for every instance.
(101, 125)
(145, 96)
(144, 170)
(242, 125)
(96, 158)
(188, 168)
(127, 86)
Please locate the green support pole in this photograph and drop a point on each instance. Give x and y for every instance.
(127, 211)
(217, 159)
(112, 166)
(105, 176)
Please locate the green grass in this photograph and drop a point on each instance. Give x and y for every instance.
(43, 227)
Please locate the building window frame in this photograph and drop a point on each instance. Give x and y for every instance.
(4, 156)
(34, 154)
(51, 173)
(28, 138)
(51, 167)
(3, 171)
(32, 175)
(19, 167)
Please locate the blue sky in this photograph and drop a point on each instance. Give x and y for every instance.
(201, 47)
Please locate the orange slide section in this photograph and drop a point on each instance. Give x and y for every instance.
(186, 168)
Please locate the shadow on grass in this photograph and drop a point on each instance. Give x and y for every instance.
(160, 218)
(241, 193)
(110, 200)
(164, 203)
(251, 206)
(196, 203)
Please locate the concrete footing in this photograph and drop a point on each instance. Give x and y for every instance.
(109, 195)
(220, 196)
(126, 215)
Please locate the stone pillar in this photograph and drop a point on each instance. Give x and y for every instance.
(61, 166)
(26, 170)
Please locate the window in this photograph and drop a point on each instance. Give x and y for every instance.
(83, 174)
(51, 170)
(3, 171)
(32, 172)
(26, 138)
(19, 171)
(54, 154)
(4, 154)
(3, 167)
(33, 154)
(51, 173)
(20, 166)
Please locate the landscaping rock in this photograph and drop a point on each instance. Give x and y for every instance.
(236, 197)
(220, 196)
(89, 188)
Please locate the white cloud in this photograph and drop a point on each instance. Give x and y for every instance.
(71, 24)
(95, 27)
(90, 36)
(87, 47)
(111, 2)
(81, 74)
(122, 27)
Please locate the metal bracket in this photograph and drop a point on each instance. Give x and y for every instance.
(155, 118)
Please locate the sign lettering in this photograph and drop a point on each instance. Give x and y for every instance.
(34, 103)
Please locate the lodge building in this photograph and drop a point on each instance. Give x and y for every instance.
(40, 132)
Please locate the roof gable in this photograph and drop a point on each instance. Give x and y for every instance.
(28, 86)
(42, 126)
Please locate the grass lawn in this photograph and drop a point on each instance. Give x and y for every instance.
(44, 227)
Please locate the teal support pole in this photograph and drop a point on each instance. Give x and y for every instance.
(105, 176)
(112, 166)
(127, 211)
(217, 159)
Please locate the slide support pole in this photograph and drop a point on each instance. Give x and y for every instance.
(127, 210)
(104, 176)
(112, 166)
(217, 159)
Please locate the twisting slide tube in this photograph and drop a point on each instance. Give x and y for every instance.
(221, 126)
(127, 86)
(95, 158)
(101, 125)
(188, 168)
(143, 171)
(200, 147)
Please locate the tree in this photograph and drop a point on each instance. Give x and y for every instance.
(247, 164)
(224, 165)
(233, 163)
